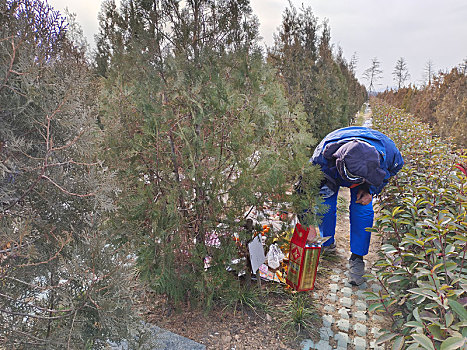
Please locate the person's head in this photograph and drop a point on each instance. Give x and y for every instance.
(358, 161)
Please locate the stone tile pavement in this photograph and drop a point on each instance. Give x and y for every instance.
(347, 324)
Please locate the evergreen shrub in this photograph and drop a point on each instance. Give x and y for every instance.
(422, 217)
(199, 130)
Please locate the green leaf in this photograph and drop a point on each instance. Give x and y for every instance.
(458, 309)
(431, 306)
(423, 291)
(436, 266)
(388, 248)
(461, 238)
(414, 324)
(461, 324)
(450, 265)
(396, 211)
(452, 343)
(374, 306)
(371, 296)
(436, 332)
(424, 341)
(384, 338)
(427, 315)
(449, 318)
(421, 201)
(398, 343)
(395, 279)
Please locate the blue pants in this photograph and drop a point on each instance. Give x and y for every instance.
(361, 217)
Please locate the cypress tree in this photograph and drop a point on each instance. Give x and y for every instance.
(60, 275)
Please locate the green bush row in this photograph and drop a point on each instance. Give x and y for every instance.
(422, 217)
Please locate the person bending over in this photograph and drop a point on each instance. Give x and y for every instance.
(362, 159)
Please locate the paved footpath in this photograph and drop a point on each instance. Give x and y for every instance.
(347, 324)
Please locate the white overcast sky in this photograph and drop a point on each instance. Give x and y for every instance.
(418, 30)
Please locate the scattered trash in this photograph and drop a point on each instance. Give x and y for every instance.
(207, 262)
(273, 276)
(213, 240)
(275, 256)
(257, 256)
(266, 224)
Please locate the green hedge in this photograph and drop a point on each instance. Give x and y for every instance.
(422, 217)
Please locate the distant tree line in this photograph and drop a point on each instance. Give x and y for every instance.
(323, 82)
(150, 154)
(442, 103)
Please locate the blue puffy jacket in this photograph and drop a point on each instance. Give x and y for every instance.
(391, 159)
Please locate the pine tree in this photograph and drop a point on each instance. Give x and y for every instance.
(199, 131)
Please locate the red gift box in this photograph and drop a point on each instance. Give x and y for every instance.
(303, 260)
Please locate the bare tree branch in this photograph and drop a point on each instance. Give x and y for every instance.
(71, 329)
(57, 253)
(34, 306)
(12, 61)
(66, 191)
(373, 73)
(400, 72)
(34, 316)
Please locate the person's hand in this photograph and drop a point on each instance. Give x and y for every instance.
(363, 197)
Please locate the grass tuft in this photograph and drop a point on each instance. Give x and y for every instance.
(299, 316)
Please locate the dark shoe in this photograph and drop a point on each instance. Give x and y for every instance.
(356, 272)
(330, 249)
